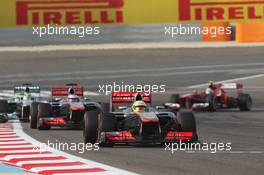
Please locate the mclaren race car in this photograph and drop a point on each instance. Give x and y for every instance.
(122, 125)
(65, 109)
(219, 96)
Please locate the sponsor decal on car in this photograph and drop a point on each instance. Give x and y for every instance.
(68, 12)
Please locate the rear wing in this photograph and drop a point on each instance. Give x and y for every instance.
(21, 89)
(231, 86)
(63, 90)
(118, 98)
(129, 97)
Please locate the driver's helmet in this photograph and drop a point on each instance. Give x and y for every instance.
(73, 98)
(139, 106)
(27, 94)
(27, 90)
(210, 84)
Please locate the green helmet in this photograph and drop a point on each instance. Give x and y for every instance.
(210, 83)
(139, 106)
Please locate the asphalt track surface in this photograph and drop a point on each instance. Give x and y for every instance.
(176, 68)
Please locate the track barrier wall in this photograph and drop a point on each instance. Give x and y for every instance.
(248, 14)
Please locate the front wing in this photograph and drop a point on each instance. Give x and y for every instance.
(128, 137)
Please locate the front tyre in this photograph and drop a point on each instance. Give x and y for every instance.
(33, 115)
(90, 126)
(187, 123)
(25, 114)
(212, 103)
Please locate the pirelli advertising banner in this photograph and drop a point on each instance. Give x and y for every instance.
(21, 13)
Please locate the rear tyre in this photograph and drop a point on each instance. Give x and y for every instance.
(33, 115)
(3, 119)
(25, 114)
(4, 110)
(90, 126)
(244, 102)
(44, 111)
(187, 123)
(212, 101)
(3, 106)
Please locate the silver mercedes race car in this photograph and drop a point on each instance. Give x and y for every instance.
(18, 106)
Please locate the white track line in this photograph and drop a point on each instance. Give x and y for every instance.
(94, 173)
(134, 70)
(227, 81)
(117, 76)
(42, 161)
(15, 143)
(110, 170)
(62, 168)
(7, 133)
(8, 136)
(18, 146)
(20, 151)
(13, 139)
(120, 46)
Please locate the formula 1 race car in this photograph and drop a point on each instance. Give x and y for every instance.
(156, 125)
(65, 109)
(215, 98)
(19, 105)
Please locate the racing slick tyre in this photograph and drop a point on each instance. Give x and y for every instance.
(44, 111)
(33, 115)
(187, 123)
(3, 106)
(90, 126)
(3, 118)
(212, 101)
(4, 110)
(25, 114)
(244, 102)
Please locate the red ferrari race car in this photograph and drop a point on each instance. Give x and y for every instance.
(143, 124)
(215, 97)
(66, 108)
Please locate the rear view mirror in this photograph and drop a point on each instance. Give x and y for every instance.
(122, 107)
(160, 107)
(87, 99)
(174, 106)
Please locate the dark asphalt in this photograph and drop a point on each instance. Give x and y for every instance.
(173, 67)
